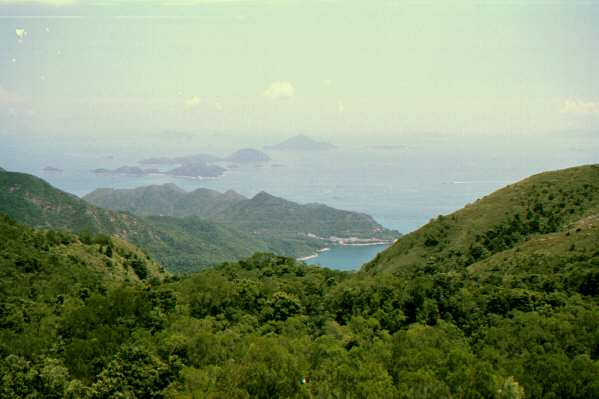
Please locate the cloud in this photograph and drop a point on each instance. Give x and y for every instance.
(575, 106)
(340, 107)
(279, 90)
(21, 33)
(193, 102)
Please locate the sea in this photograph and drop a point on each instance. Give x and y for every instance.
(402, 183)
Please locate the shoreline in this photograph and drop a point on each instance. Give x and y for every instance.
(365, 244)
(323, 250)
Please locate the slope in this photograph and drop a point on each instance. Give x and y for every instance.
(540, 205)
(264, 215)
(180, 245)
(165, 200)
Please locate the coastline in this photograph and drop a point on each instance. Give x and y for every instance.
(321, 251)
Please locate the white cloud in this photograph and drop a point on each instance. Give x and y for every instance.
(21, 33)
(340, 107)
(279, 90)
(575, 106)
(327, 83)
(193, 102)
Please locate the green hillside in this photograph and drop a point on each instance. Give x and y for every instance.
(533, 209)
(272, 327)
(49, 341)
(181, 245)
(164, 200)
(517, 320)
(264, 214)
(32, 201)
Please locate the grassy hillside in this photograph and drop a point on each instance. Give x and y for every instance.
(31, 200)
(533, 209)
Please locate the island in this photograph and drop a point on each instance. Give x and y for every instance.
(247, 156)
(197, 170)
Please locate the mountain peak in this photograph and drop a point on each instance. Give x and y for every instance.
(171, 187)
(248, 155)
(263, 195)
(232, 194)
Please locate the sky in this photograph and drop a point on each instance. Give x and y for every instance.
(338, 70)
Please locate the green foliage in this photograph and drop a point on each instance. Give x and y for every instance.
(495, 305)
(209, 227)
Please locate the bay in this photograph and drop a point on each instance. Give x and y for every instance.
(346, 257)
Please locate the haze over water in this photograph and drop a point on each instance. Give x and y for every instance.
(401, 185)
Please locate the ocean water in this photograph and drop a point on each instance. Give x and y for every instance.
(401, 186)
(347, 257)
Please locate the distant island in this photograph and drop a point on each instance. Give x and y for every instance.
(301, 142)
(197, 170)
(248, 155)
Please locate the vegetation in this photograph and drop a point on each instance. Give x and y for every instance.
(264, 214)
(517, 319)
(164, 200)
(186, 244)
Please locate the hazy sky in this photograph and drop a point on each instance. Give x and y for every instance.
(332, 69)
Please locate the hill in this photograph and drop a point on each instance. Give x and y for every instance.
(248, 156)
(540, 205)
(197, 170)
(49, 281)
(301, 143)
(263, 215)
(56, 252)
(265, 212)
(164, 200)
(180, 245)
(518, 320)
(32, 201)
